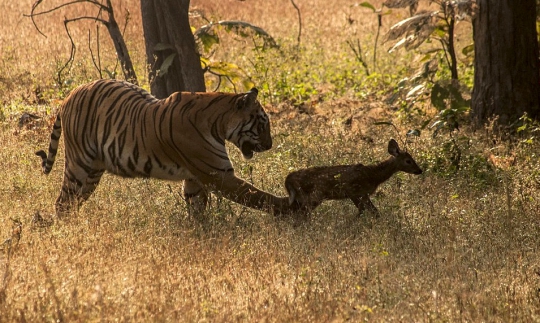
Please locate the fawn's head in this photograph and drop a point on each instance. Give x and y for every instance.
(404, 160)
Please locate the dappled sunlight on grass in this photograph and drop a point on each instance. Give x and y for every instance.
(457, 243)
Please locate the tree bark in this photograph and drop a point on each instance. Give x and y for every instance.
(166, 22)
(506, 78)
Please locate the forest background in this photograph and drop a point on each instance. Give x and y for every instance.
(459, 242)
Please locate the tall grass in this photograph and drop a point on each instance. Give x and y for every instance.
(451, 244)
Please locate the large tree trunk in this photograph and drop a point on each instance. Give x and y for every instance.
(506, 75)
(166, 22)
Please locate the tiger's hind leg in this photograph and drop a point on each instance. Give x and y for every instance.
(78, 185)
(196, 197)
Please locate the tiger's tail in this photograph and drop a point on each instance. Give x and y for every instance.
(48, 161)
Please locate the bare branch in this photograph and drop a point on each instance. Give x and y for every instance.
(33, 14)
(110, 24)
(358, 54)
(128, 17)
(34, 6)
(110, 10)
(98, 51)
(37, 3)
(299, 22)
(219, 82)
(71, 55)
(105, 22)
(73, 46)
(97, 64)
(219, 76)
(121, 49)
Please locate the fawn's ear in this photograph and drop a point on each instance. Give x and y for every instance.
(393, 148)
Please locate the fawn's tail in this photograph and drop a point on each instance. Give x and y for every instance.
(292, 193)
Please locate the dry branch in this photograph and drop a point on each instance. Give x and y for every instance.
(110, 23)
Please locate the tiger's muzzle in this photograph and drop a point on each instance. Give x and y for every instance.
(248, 148)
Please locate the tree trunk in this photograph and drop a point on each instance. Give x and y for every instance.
(506, 77)
(166, 22)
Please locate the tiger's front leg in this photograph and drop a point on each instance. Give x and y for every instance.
(243, 193)
(196, 197)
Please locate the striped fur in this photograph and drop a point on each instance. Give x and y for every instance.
(115, 126)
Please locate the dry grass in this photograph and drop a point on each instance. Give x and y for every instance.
(448, 247)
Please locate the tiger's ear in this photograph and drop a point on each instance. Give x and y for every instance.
(249, 99)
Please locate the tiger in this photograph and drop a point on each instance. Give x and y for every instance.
(117, 127)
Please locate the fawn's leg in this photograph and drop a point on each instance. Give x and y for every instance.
(363, 202)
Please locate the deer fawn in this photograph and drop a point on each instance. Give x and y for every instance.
(311, 186)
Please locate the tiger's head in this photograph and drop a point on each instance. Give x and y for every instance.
(252, 133)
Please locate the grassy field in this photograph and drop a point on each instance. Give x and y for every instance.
(457, 243)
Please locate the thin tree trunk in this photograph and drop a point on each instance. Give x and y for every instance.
(506, 79)
(452, 48)
(121, 48)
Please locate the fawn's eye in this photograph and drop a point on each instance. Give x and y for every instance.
(408, 161)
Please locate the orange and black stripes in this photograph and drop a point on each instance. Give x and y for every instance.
(118, 127)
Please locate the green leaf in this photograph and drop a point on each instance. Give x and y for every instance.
(204, 62)
(167, 62)
(426, 58)
(224, 68)
(437, 124)
(231, 72)
(368, 5)
(468, 50)
(208, 40)
(111, 74)
(401, 84)
(445, 113)
(425, 124)
(415, 92)
(439, 95)
(247, 83)
(458, 102)
(433, 50)
(522, 128)
(440, 32)
(413, 132)
(163, 46)
(241, 28)
(386, 123)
